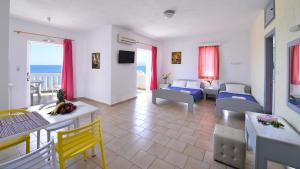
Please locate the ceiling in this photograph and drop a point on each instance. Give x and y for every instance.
(143, 16)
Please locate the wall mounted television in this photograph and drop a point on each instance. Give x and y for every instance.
(126, 56)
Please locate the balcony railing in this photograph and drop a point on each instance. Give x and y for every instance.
(50, 81)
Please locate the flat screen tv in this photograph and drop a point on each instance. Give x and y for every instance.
(126, 56)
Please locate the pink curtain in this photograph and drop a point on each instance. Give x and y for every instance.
(67, 70)
(208, 62)
(295, 65)
(153, 83)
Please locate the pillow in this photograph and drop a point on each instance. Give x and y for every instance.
(235, 88)
(193, 84)
(295, 90)
(178, 83)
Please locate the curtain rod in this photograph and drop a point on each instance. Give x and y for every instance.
(38, 34)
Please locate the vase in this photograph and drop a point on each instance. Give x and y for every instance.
(165, 81)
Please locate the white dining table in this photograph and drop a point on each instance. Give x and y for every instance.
(81, 110)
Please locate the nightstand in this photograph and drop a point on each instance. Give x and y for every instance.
(163, 86)
(210, 91)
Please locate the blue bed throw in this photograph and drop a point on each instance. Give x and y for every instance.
(196, 93)
(224, 94)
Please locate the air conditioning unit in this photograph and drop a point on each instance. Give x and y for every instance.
(126, 40)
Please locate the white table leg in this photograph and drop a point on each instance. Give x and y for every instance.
(92, 120)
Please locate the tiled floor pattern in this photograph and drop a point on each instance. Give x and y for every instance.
(141, 135)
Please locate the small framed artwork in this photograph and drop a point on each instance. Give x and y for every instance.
(96, 60)
(176, 57)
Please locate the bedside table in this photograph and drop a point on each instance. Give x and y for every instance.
(210, 91)
(163, 86)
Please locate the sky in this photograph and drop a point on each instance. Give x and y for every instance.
(45, 54)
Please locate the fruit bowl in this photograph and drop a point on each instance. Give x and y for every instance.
(63, 108)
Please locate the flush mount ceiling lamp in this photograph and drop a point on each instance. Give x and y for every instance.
(49, 40)
(295, 28)
(169, 13)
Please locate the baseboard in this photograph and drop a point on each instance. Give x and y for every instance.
(124, 101)
(92, 100)
(78, 98)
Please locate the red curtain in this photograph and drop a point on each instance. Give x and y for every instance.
(208, 62)
(67, 70)
(153, 83)
(295, 65)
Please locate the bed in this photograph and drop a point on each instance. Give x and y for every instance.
(181, 93)
(236, 101)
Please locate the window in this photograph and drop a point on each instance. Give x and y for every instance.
(208, 62)
(45, 61)
(143, 69)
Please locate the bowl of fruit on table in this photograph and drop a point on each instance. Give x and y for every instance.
(62, 107)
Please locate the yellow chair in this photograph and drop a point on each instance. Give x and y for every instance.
(17, 140)
(78, 141)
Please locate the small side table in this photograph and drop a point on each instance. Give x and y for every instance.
(210, 91)
(163, 85)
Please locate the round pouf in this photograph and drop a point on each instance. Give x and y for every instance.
(229, 146)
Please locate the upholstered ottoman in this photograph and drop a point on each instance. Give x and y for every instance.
(229, 146)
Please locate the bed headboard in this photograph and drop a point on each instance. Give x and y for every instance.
(202, 85)
(247, 87)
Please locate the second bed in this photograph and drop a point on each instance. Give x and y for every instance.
(236, 102)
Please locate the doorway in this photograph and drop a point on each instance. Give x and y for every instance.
(43, 71)
(270, 60)
(143, 70)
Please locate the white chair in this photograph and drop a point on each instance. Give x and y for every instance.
(54, 127)
(44, 157)
(35, 90)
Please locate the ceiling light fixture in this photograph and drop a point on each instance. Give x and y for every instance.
(169, 13)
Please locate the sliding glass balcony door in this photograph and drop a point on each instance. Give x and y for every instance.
(43, 71)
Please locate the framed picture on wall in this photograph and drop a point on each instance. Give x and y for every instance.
(176, 57)
(96, 60)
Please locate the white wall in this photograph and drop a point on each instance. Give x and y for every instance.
(234, 48)
(110, 84)
(18, 57)
(257, 58)
(98, 81)
(123, 82)
(287, 15)
(4, 42)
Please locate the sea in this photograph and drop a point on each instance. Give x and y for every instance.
(45, 68)
(142, 68)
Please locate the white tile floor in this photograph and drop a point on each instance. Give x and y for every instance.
(138, 134)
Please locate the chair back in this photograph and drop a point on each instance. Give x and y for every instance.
(11, 112)
(44, 157)
(78, 140)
